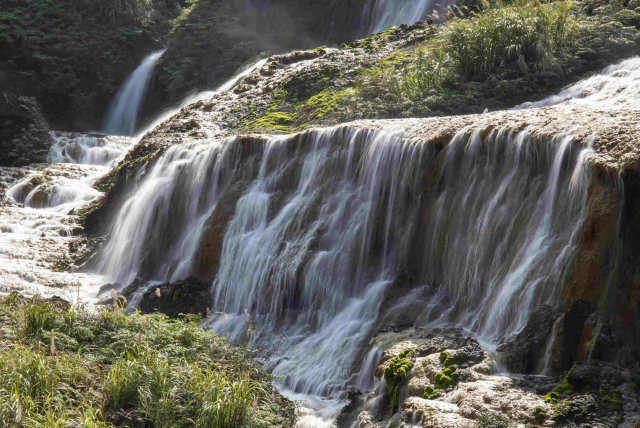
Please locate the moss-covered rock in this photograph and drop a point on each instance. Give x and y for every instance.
(395, 376)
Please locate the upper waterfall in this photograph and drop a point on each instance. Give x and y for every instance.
(123, 111)
(382, 14)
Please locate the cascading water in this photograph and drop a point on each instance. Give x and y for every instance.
(320, 228)
(382, 14)
(40, 222)
(616, 87)
(123, 112)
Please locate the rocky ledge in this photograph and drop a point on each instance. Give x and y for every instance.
(443, 378)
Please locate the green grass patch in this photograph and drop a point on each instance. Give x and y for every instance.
(63, 366)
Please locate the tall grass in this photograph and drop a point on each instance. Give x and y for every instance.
(527, 33)
(520, 37)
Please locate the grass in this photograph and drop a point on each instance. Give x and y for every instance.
(523, 36)
(62, 366)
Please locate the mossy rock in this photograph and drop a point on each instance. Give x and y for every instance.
(431, 393)
(396, 374)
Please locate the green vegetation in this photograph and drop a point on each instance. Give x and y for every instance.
(445, 378)
(610, 400)
(539, 414)
(61, 366)
(563, 389)
(310, 111)
(395, 376)
(516, 39)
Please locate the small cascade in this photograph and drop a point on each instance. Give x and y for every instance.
(382, 14)
(87, 149)
(316, 231)
(616, 87)
(123, 112)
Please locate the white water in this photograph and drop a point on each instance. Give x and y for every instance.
(382, 14)
(616, 87)
(39, 222)
(323, 224)
(123, 112)
(87, 149)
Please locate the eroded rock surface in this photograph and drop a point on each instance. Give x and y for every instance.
(453, 382)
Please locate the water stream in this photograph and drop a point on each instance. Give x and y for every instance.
(382, 14)
(123, 112)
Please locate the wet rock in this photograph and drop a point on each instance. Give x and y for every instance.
(523, 352)
(24, 133)
(189, 296)
(573, 326)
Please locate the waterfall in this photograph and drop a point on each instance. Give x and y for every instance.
(382, 14)
(123, 111)
(318, 232)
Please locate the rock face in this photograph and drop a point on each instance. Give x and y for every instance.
(524, 352)
(24, 133)
(452, 382)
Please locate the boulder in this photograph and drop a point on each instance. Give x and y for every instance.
(523, 352)
(24, 133)
(189, 296)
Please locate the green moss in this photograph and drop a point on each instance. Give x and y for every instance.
(319, 105)
(611, 400)
(395, 375)
(451, 360)
(539, 414)
(443, 381)
(431, 393)
(564, 388)
(273, 121)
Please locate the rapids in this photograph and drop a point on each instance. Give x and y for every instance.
(616, 87)
(39, 222)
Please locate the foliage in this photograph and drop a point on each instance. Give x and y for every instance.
(63, 364)
(310, 111)
(523, 36)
